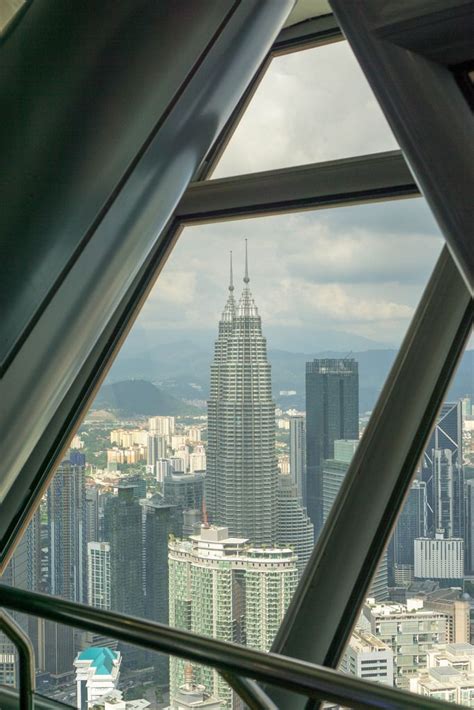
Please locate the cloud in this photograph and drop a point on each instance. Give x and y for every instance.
(358, 269)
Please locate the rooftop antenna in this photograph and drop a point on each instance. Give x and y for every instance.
(246, 277)
(231, 282)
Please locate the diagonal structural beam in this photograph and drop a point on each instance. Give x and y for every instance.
(334, 584)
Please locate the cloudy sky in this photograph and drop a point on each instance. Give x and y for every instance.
(354, 270)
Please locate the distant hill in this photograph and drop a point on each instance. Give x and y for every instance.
(132, 397)
(182, 371)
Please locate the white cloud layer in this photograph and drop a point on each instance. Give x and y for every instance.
(359, 270)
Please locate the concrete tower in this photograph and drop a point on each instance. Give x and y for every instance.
(242, 474)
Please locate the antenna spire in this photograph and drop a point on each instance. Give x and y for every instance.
(246, 277)
(231, 282)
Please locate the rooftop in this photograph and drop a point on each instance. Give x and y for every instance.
(102, 659)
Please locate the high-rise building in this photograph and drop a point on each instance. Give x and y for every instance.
(442, 471)
(332, 412)
(411, 524)
(334, 471)
(67, 532)
(186, 491)
(220, 586)
(164, 426)
(160, 521)
(469, 526)
(242, 472)
(294, 529)
(98, 571)
(156, 448)
(92, 514)
(123, 531)
(298, 455)
(439, 558)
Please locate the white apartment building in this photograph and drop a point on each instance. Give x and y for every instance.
(409, 630)
(197, 460)
(439, 558)
(368, 657)
(162, 469)
(165, 426)
(98, 574)
(126, 438)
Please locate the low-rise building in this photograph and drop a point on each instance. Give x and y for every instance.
(449, 674)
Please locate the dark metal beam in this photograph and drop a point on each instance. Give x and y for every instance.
(427, 112)
(305, 35)
(297, 676)
(54, 357)
(366, 178)
(334, 584)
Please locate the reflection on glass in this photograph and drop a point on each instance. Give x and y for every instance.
(417, 635)
(310, 107)
(195, 487)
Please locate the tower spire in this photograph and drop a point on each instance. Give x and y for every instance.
(231, 281)
(246, 277)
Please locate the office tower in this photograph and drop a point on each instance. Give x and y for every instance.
(163, 426)
(439, 558)
(409, 630)
(137, 483)
(156, 448)
(97, 673)
(294, 528)
(186, 491)
(160, 522)
(98, 571)
(220, 586)
(298, 455)
(332, 412)
(411, 524)
(442, 471)
(448, 492)
(469, 525)
(67, 533)
(123, 531)
(92, 514)
(366, 656)
(242, 472)
(333, 472)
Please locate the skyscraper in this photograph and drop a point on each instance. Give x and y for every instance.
(160, 521)
(298, 455)
(332, 412)
(294, 528)
(242, 472)
(123, 531)
(222, 587)
(98, 571)
(411, 524)
(67, 532)
(442, 471)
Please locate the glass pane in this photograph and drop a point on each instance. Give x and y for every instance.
(310, 106)
(186, 497)
(418, 635)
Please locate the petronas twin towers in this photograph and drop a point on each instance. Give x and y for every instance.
(242, 472)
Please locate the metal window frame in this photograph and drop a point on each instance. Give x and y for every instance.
(23, 645)
(75, 404)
